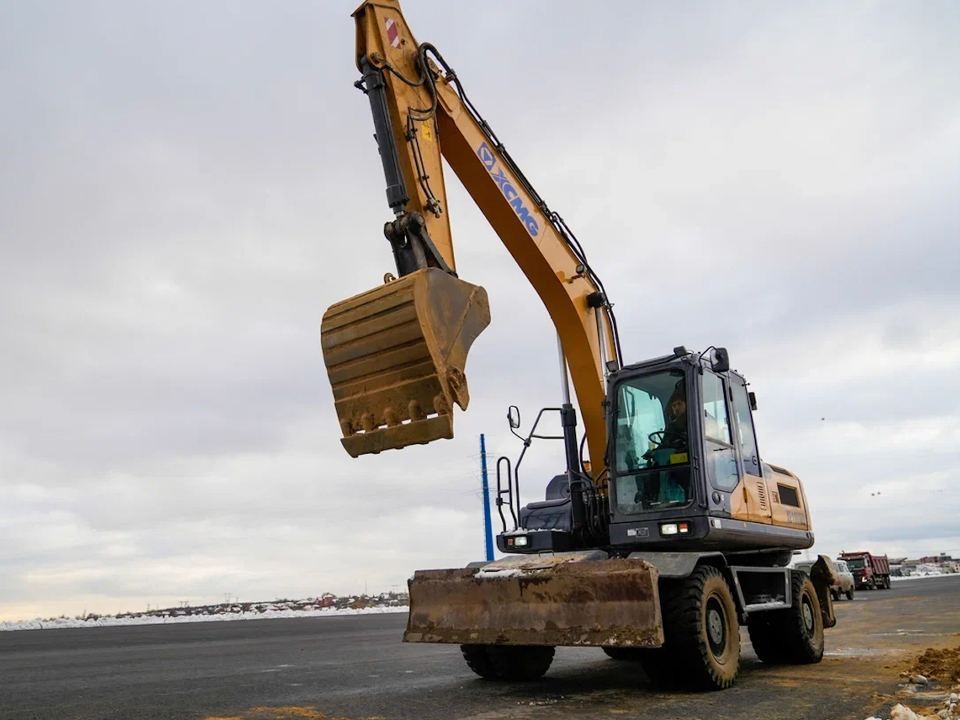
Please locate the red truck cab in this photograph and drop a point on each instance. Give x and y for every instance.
(869, 571)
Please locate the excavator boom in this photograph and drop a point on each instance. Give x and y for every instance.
(388, 356)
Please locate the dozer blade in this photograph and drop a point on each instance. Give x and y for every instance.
(551, 600)
(395, 356)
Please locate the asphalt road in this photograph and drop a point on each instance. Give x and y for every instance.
(356, 668)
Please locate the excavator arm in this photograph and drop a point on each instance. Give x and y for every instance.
(421, 114)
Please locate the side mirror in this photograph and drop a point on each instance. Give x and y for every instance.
(721, 360)
(513, 417)
(753, 400)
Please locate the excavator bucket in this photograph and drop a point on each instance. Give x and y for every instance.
(395, 356)
(548, 600)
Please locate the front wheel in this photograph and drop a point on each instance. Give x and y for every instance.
(508, 662)
(701, 630)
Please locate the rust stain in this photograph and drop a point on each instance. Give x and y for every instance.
(600, 603)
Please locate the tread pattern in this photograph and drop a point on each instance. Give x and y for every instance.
(686, 658)
(780, 636)
(478, 661)
(508, 662)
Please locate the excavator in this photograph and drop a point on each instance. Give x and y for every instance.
(665, 532)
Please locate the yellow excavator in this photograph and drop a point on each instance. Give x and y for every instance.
(665, 532)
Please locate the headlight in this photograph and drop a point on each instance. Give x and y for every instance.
(669, 529)
(520, 541)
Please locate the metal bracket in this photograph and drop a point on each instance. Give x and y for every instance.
(413, 249)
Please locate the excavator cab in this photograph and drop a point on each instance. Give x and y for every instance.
(684, 471)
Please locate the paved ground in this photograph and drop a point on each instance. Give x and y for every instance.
(356, 668)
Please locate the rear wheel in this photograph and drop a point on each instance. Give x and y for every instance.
(764, 629)
(660, 668)
(702, 633)
(478, 661)
(794, 635)
(803, 634)
(849, 594)
(508, 662)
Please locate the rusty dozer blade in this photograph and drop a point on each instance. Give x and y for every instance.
(395, 356)
(560, 599)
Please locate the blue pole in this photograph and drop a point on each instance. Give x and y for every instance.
(487, 526)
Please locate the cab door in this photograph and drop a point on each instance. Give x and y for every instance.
(754, 503)
(720, 454)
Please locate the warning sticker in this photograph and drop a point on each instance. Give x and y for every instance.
(393, 32)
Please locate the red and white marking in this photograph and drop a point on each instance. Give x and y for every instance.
(393, 33)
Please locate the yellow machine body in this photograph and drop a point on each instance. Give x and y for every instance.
(396, 358)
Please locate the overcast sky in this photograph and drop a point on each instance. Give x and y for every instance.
(185, 187)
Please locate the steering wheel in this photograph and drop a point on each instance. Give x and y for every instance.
(656, 440)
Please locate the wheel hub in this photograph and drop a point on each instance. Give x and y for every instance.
(807, 613)
(716, 627)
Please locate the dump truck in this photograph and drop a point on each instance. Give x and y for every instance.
(663, 532)
(870, 572)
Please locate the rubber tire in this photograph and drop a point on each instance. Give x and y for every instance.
(658, 665)
(689, 657)
(625, 654)
(849, 594)
(784, 636)
(764, 631)
(803, 642)
(477, 660)
(513, 663)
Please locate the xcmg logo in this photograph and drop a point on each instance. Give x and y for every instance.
(489, 161)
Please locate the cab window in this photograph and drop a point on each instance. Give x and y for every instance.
(651, 445)
(721, 458)
(745, 432)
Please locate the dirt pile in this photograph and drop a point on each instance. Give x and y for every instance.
(941, 665)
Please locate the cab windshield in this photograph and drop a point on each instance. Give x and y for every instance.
(651, 463)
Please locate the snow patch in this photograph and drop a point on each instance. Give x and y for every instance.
(106, 621)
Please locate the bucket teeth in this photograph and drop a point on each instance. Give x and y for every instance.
(395, 356)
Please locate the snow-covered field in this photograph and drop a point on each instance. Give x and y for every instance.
(56, 623)
(923, 577)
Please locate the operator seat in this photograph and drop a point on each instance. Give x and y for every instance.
(553, 513)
